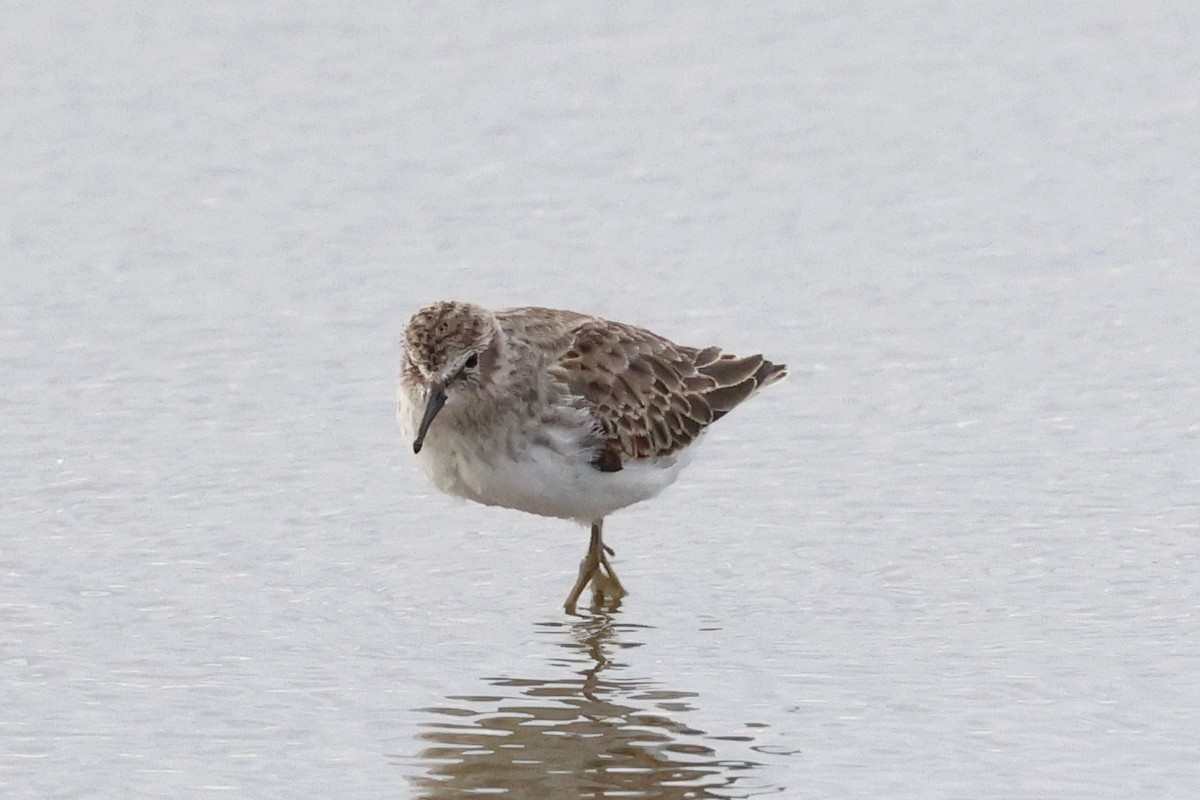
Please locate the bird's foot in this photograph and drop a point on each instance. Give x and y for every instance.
(597, 570)
(606, 585)
(587, 570)
(600, 574)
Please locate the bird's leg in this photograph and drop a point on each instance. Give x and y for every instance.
(597, 569)
(604, 580)
(587, 568)
(613, 587)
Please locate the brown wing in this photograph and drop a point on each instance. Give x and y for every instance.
(652, 397)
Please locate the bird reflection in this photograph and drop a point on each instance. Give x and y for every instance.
(591, 733)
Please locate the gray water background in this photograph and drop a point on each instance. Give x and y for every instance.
(954, 555)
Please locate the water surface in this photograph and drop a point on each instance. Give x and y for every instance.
(954, 555)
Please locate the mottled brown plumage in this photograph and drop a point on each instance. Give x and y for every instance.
(650, 396)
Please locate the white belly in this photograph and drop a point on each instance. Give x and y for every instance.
(546, 483)
(553, 478)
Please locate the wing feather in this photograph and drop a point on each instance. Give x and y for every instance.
(651, 397)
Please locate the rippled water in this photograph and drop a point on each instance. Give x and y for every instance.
(953, 555)
(594, 728)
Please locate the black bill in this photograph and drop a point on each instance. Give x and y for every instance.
(437, 399)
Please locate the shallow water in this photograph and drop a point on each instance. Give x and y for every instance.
(592, 728)
(953, 555)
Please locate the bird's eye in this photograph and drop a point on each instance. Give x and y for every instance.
(472, 361)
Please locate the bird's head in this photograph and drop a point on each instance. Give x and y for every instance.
(448, 349)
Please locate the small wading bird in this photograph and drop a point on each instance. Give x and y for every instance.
(560, 414)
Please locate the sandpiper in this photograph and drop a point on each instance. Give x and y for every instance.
(560, 414)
